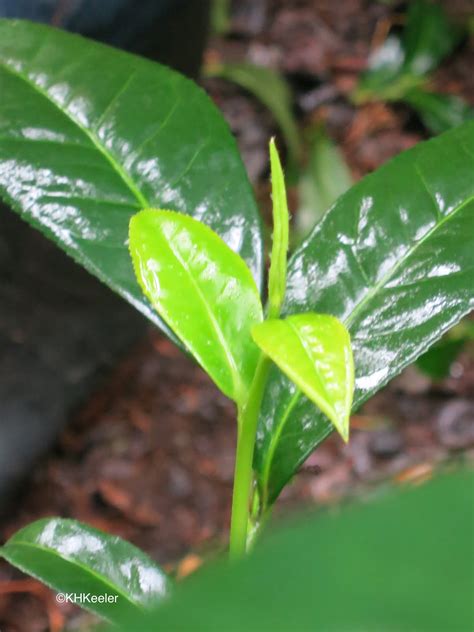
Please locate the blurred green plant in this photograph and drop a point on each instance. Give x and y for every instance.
(322, 180)
(271, 89)
(315, 164)
(437, 361)
(387, 564)
(400, 69)
(220, 16)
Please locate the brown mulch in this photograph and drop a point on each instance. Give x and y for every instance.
(150, 456)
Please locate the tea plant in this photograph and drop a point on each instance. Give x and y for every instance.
(94, 144)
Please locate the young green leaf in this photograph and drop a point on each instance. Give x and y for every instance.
(314, 351)
(393, 259)
(401, 561)
(281, 223)
(203, 291)
(115, 577)
(90, 135)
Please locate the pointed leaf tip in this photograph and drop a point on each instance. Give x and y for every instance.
(280, 236)
(314, 351)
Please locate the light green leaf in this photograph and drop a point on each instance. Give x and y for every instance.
(281, 223)
(314, 350)
(204, 292)
(72, 557)
(90, 135)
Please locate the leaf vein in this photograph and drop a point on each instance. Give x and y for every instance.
(116, 166)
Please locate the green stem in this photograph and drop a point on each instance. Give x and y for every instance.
(249, 411)
(243, 476)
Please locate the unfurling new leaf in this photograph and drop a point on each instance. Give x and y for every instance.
(314, 351)
(204, 292)
(281, 221)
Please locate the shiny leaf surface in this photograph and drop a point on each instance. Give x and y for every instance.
(393, 259)
(71, 557)
(314, 351)
(203, 290)
(90, 135)
(399, 563)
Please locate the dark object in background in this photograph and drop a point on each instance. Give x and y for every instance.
(60, 329)
(170, 31)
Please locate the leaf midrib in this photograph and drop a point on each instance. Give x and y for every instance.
(116, 166)
(238, 387)
(350, 319)
(381, 283)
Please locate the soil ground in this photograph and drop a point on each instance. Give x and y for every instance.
(150, 456)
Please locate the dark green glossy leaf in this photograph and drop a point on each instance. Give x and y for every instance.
(272, 90)
(439, 112)
(401, 563)
(71, 557)
(394, 260)
(324, 179)
(90, 135)
(314, 351)
(402, 64)
(204, 292)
